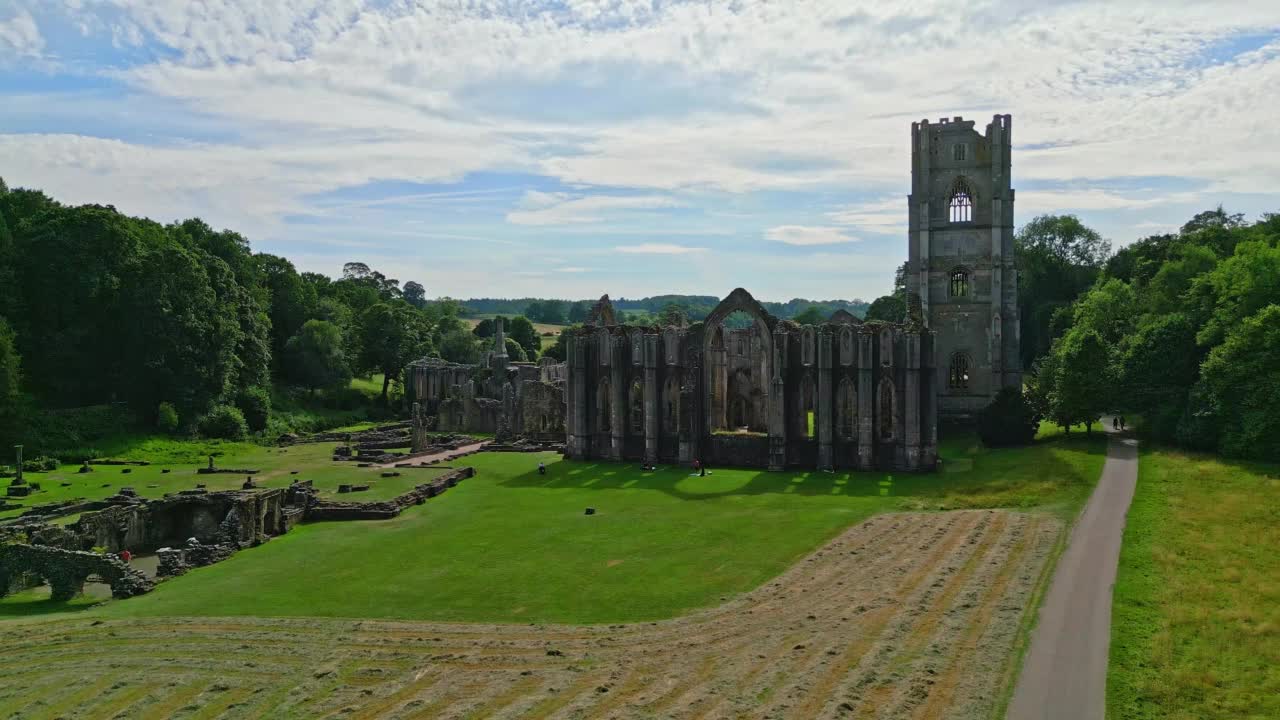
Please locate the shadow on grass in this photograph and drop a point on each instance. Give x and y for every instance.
(1002, 477)
(31, 604)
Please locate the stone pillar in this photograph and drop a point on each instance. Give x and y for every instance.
(17, 480)
(911, 400)
(778, 401)
(866, 403)
(823, 416)
(651, 411)
(618, 401)
(929, 402)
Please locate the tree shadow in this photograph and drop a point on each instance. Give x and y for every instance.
(988, 472)
(36, 602)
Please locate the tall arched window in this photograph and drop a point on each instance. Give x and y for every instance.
(886, 409)
(847, 408)
(959, 283)
(604, 413)
(959, 373)
(960, 206)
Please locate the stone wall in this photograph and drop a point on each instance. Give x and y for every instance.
(242, 517)
(384, 510)
(67, 570)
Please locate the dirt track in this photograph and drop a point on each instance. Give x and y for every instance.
(903, 616)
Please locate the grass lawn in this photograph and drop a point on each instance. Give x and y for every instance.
(312, 461)
(540, 328)
(1195, 630)
(512, 546)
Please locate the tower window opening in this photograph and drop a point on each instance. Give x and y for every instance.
(959, 283)
(960, 206)
(959, 376)
(959, 152)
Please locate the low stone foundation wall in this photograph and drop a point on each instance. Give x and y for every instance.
(331, 510)
(67, 570)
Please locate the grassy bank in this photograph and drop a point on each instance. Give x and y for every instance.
(512, 545)
(1196, 621)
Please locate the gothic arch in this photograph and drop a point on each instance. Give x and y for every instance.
(715, 377)
(886, 409)
(636, 407)
(847, 409)
(961, 200)
(959, 371)
(603, 409)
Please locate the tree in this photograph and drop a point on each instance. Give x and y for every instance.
(559, 349)
(316, 357)
(1242, 377)
(415, 294)
(459, 346)
(1216, 218)
(515, 353)
(523, 332)
(486, 328)
(292, 301)
(1239, 286)
(1082, 389)
(1010, 419)
(1058, 259)
(1156, 366)
(546, 311)
(391, 335)
(887, 308)
(811, 315)
(578, 312)
(673, 315)
(10, 368)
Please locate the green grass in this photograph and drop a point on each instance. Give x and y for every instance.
(182, 458)
(371, 386)
(512, 546)
(1195, 631)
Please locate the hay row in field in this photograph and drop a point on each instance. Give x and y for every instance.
(902, 616)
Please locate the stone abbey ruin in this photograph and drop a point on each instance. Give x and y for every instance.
(765, 392)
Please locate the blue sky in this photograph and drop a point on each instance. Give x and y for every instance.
(505, 148)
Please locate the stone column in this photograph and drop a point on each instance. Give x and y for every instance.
(824, 411)
(618, 401)
(911, 400)
(17, 480)
(929, 401)
(778, 401)
(651, 398)
(866, 403)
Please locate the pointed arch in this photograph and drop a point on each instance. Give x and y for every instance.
(960, 201)
(886, 409)
(603, 409)
(847, 409)
(637, 407)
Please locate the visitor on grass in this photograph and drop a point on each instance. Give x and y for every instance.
(697, 466)
(542, 468)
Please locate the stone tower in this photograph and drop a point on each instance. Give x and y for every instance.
(960, 258)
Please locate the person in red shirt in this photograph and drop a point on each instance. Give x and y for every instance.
(126, 556)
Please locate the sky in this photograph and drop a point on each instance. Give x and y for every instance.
(635, 147)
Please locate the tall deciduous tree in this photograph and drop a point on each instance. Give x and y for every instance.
(415, 294)
(811, 315)
(523, 332)
(1058, 259)
(1082, 390)
(887, 308)
(317, 358)
(1243, 377)
(391, 335)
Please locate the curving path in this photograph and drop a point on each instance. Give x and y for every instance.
(1064, 675)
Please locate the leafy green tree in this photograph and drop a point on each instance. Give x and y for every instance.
(291, 301)
(391, 336)
(1010, 419)
(887, 308)
(1082, 389)
(522, 331)
(255, 404)
(673, 315)
(486, 328)
(515, 353)
(1216, 218)
(225, 422)
(559, 349)
(1157, 364)
(415, 294)
(10, 368)
(811, 315)
(578, 312)
(551, 312)
(1109, 309)
(1058, 259)
(317, 358)
(167, 418)
(1243, 377)
(458, 345)
(1240, 286)
(1167, 290)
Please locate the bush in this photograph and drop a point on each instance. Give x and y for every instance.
(224, 422)
(255, 403)
(167, 418)
(1009, 420)
(40, 464)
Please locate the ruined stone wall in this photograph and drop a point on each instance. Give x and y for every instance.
(67, 570)
(234, 516)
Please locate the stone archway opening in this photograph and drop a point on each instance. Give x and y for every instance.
(737, 362)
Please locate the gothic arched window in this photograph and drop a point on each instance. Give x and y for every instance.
(637, 408)
(958, 378)
(959, 283)
(960, 206)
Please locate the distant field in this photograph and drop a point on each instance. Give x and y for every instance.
(541, 328)
(1195, 632)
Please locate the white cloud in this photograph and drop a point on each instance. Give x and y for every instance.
(20, 36)
(541, 208)
(658, 249)
(808, 235)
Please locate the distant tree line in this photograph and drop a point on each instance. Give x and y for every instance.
(695, 307)
(184, 323)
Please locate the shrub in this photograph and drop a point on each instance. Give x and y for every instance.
(255, 403)
(40, 464)
(167, 418)
(224, 422)
(1009, 420)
